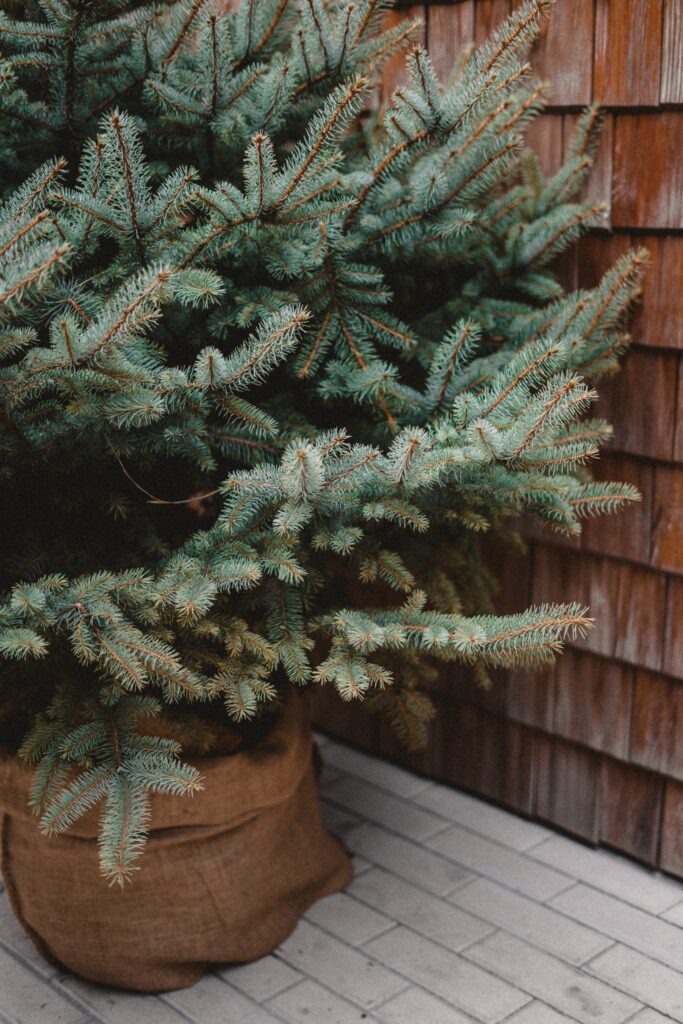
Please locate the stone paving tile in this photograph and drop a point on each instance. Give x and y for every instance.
(650, 935)
(499, 863)
(380, 773)
(649, 1017)
(310, 1003)
(675, 915)
(447, 975)
(112, 1006)
(28, 999)
(654, 984)
(350, 973)
(426, 869)
(368, 801)
(212, 1001)
(533, 922)
(540, 1013)
(564, 988)
(337, 819)
(261, 980)
(610, 873)
(348, 919)
(16, 941)
(415, 1006)
(429, 915)
(487, 820)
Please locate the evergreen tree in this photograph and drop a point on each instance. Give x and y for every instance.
(274, 366)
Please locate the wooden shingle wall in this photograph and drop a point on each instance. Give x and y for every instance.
(596, 745)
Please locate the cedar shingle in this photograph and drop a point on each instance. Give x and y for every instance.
(667, 534)
(626, 534)
(449, 31)
(671, 90)
(627, 602)
(544, 136)
(672, 659)
(563, 54)
(593, 702)
(671, 856)
(658, 319)
(488, 14)
(648, 171)
(568, 786)
(631, 809)
(639, 402)
(395, 72)
(598, 185)
(627, 52)
(657, 724)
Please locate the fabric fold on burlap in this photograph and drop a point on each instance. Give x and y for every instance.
(224, 878)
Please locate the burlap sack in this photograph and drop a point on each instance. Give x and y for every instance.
(224, 878)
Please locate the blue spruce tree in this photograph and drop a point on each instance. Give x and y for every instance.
(274, 367)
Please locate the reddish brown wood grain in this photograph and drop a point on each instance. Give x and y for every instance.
(596, 253)
(672, 635)
(658, 320)
(627, 602)
(671, 89)
(667, 533)
(563, 54)
(568, 787)
(647, 190)
(627, 52)
(488, 15)
(545, 138)
(626, 534)
(631, 809)
(598, 185)
(678, 437)
(593, 702)
(450, 30)
(656, 733)
(640, 403)
(671, 856)
(395, 72)
(531, 698)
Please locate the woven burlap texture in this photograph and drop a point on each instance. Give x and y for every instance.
(224, 878)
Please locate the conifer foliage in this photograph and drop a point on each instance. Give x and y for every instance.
(274, 365)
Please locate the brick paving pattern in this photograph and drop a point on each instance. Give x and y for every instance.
(460, 913)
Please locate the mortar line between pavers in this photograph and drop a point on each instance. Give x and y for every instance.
(471, 963)
(401, 924)
(356, 949)
(620, 858)
(370, 1011)
(471, 875)
(251, 999)
(290, 984)
(615, 941)
(54, 984)
(668, 911)
(610, 940)
(10, 949)
(591, 975)
(450, 823)
(436, 998)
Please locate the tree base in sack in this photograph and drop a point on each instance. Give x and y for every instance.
(225, 876)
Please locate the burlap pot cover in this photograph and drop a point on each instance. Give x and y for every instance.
(224, 878)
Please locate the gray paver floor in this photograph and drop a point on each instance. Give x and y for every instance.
(459, 913)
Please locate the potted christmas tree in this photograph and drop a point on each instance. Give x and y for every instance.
(274, 366)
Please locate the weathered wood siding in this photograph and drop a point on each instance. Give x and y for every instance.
(596, 745)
